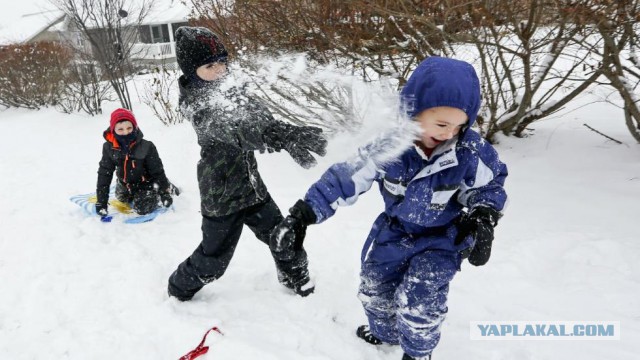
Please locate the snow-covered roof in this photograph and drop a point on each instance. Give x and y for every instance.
(20, 24)
(163, 12)
(167, 11)
(25, 19)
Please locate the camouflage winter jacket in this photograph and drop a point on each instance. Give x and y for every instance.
(230, 126)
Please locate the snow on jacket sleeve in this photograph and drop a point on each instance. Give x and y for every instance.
(483, 184)
(344, 182)
(106, 167)
(340, 185)
(237, 120)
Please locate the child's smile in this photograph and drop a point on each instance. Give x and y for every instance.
(440, 124)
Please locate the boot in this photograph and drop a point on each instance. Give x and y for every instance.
(365, 334)
(178, 293)
(305, 289)
(407, 357)
(304, 286)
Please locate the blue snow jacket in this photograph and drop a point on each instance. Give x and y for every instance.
(423, 193)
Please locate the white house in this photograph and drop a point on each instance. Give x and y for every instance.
(31, 24)
(155, 35)
(153, 41)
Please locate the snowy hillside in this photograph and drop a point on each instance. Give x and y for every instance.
(76, 288)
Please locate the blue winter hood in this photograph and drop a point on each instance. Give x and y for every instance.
(439, 81)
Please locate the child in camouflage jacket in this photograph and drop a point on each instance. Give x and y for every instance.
(231, 126)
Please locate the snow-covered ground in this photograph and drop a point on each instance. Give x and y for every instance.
(76, 288)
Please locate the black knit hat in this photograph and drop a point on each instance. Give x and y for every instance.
(197, 46)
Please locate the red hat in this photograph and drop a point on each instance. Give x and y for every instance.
(122, 115)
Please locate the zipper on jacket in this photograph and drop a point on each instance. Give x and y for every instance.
(126, 159)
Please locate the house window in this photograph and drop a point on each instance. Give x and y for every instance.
(78, 41)
(175, 26)
(159, 33)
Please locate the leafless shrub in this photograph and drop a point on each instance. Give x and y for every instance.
(110, 28)
(526, 50)
(84, 91)
(614, 47)
(529, 65)
(32, 75)
(160, 95)
(371, 38)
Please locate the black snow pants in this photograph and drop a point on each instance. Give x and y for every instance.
(220, 236)
(143, 197)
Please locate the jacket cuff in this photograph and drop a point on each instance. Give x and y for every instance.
(303, 212)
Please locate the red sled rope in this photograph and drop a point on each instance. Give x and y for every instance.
(200, 349)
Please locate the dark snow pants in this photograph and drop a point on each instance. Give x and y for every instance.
(143, 197)
(404, 286)
(220, 236)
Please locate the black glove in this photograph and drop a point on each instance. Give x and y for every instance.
(288, 236)
(102, 210)
(479, 223)
(166, 199)
(299, 141)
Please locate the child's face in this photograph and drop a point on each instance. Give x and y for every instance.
(123, 128)
(440, 124)
(211, 71)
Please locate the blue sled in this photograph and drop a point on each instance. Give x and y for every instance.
(87, 204)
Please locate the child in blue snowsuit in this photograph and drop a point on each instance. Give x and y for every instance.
(443, 196)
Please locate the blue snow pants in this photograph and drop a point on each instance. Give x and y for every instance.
(404, 285)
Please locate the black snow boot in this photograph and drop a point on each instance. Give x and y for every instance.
(365, 334)
(303, 287)
(180, 294)
(407, 357)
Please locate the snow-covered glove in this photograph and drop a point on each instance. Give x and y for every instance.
(479, 223)
(288, 236)
(174, 190)
(166, 199)
(102, 210)
(298, 141)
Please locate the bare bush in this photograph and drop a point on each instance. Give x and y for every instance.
(529, 65)
(370, 38)
(352, 36)
(615, 48)
(110, 27)
(32, 75)
(526, 50)
(161, 96)
(84, 91)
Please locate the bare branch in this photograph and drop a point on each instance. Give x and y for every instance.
(598, 132)
(111, 29)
